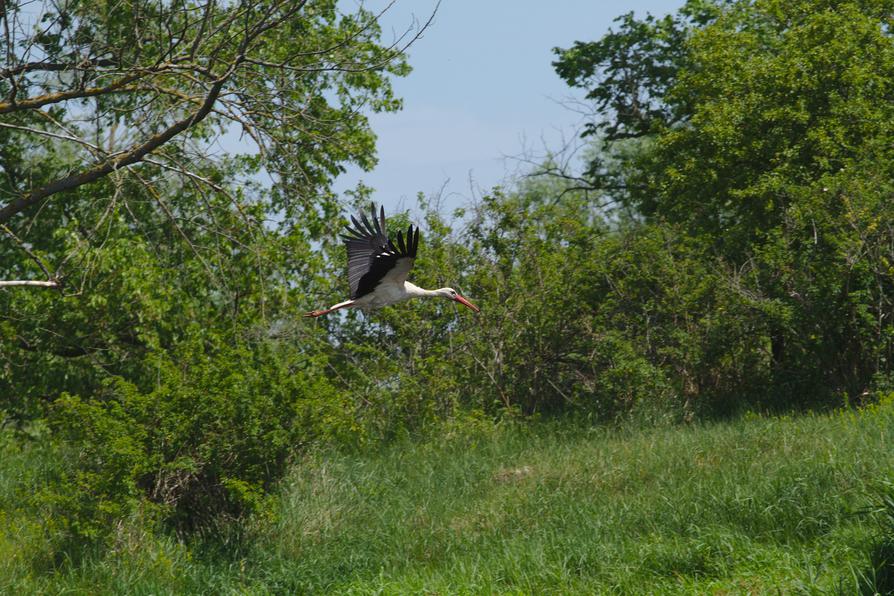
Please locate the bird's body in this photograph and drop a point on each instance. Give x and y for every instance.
(378, 268)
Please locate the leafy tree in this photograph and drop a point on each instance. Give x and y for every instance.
(89, 90)
(628, 75)
(577, 316)
(770, 141)
(111, 187)
(157, 358)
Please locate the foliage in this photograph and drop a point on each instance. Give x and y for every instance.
(157, 360)
(205, 444)
(628, 73)
(770, 142)
(748, 142)
(614, 323)
(185, 238)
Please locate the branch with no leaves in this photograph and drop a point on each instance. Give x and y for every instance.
(28, 282)
(55, 67)
(51, 98)
(52, 280)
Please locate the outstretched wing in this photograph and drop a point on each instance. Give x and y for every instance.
(373, 258)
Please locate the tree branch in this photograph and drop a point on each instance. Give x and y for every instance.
(50, 98)
(28, 282)
(55, 67)
(130, 157)
(52, 280)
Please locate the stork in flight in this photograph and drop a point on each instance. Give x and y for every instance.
(378, 268)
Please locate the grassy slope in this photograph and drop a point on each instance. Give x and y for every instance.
(757, 505)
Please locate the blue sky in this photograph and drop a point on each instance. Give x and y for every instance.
(482, 88)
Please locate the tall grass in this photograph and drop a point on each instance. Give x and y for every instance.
(878, 577)
(757, 505)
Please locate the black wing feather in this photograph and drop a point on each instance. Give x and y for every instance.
(371, 255)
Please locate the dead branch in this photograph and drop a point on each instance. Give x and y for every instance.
(84, 65)
(28, 282)
(52, 280)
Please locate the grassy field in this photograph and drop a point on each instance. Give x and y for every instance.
(759, 505)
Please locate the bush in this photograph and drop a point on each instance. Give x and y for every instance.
(204, 445)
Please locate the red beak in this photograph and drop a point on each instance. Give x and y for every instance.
(465, 302)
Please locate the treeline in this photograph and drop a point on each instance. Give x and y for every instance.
(727, 246)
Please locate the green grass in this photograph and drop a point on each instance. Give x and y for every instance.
(759, 505)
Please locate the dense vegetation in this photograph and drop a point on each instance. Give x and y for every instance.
(754, 506)
(727, 247)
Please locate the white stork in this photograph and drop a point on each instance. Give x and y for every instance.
(378, 269)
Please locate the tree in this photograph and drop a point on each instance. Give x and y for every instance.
(112, 186)
(769, 138)
(141, 91)
(628, 75)
(156, 363)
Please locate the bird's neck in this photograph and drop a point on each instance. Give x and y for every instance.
(416, 291)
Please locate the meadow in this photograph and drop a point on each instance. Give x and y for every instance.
(756, 505)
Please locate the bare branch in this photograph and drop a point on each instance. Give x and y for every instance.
(52, 135)
(86, 65)
(27, 282)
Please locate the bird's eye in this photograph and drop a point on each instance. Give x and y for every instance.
(453, 293)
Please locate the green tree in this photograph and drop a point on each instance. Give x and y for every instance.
(111, 185)
(770, 141)
(146, 88)
(158, 359)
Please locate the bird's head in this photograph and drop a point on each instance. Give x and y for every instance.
(452, 294)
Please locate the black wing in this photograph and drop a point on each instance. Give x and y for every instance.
(372, 256)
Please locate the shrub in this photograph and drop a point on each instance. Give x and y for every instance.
(205, 444)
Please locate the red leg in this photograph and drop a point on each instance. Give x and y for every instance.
(319, 313)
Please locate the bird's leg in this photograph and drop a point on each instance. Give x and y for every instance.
(319, 313)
